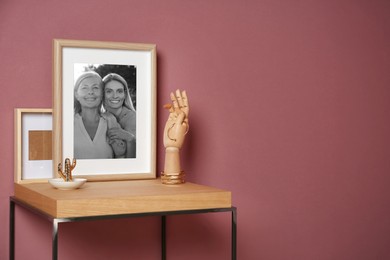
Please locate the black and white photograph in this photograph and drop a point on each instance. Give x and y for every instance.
(104, 106)
(104, 111)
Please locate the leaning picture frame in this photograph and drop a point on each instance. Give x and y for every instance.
(33, 145)
(135, 63)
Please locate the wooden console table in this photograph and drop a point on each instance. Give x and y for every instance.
(119, 199)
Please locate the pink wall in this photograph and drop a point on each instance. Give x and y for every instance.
(289, 110)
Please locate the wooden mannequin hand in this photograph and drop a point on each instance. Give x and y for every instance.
(177, 124)
(175, 131)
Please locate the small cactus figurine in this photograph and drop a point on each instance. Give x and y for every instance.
(67, 173)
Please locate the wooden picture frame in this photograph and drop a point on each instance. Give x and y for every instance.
(33, 145)
(93, 55)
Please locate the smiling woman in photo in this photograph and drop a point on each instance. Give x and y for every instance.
(119, 108)
(90, 128)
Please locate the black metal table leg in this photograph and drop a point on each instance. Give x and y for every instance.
(55, 240)
(163, 238)
(11, 230)
(234, 233)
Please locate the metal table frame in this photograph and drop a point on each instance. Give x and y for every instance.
(56, 221)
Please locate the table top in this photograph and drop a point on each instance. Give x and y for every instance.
(121, 197)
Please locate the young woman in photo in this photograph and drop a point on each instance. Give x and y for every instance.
(118, 107)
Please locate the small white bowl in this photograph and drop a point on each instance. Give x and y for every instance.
(60, 184)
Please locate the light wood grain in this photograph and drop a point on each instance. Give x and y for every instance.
(121, 197)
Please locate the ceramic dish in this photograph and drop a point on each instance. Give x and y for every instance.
(60, 184)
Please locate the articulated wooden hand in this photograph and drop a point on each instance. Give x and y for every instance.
(175, 130)
(177, 124)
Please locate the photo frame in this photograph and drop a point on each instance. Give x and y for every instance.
(104, 57)
(33, 145)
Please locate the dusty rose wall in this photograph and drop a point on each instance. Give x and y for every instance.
(290, 111)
